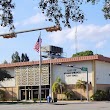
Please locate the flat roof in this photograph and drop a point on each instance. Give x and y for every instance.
(59, 60)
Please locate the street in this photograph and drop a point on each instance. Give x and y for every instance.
(58, 106)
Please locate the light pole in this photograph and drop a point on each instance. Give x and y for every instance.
(50, 76)
(87, 86)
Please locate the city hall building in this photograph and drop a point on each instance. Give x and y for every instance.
(25, 82)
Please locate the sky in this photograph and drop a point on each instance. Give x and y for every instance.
(93, 34)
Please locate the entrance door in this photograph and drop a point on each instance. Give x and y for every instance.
(35, 94)
(22, 94)
(28, 94)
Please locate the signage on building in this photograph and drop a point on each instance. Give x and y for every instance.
(73, 75)
(72, 72)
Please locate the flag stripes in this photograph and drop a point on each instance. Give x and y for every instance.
(38, 43)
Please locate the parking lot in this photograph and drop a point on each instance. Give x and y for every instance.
(58, 106)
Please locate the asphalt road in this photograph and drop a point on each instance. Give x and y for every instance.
(58, 106)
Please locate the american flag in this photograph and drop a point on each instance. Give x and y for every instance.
(38, 43)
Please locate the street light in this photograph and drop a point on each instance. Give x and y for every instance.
(14, 34)
(54, 28)
(9, 35)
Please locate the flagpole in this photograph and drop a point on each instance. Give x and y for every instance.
(40, 61)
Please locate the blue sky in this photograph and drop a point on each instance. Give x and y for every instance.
(93, 34)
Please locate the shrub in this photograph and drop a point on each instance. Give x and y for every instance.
(70, 94)
(35, 99)
(2, 95)
(100, 95)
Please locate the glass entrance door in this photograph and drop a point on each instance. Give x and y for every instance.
(22, 94)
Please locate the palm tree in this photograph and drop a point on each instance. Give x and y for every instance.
(81, 85)
(58, 86)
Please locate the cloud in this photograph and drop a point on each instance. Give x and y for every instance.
(100, 44)
(4, 30)
(91, 33)
(39, 17)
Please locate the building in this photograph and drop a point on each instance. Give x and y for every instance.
(25, 82)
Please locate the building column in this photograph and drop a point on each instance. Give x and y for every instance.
(25, 93)
(17, 92)
(31, 93)
(19, 95)
(93, 76)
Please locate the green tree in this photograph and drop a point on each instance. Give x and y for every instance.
(6, 16)
(69, 10)
(57, 11)
(106, 9)
(58, 86)
(81, 85)
(24, 57)
(5, 62)
(15, 57)
(83, 53)
(4, 74)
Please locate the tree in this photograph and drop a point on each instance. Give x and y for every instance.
(81, 85)
(15, 57)
(4, 74)
(5, 62)
(58, 86)
(24, 57)
(6, 16)
(83, 53)
(106, 9)
(69, 10)
(56, 11)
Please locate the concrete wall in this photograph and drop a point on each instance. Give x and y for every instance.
(102, 72)
(70, 75)
(10, 93)
(8, 83)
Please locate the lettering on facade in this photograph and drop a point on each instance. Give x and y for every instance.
(72, 73)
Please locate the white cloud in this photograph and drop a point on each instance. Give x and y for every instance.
(101, 44)
(39, 17)
(4, 30)
(79, 47)
(92, 33)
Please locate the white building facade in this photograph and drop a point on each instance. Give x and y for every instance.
(25, 82)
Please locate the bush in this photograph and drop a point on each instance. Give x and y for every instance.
(70, 95)
(99, 96)
(2, 95)
(35, 99)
